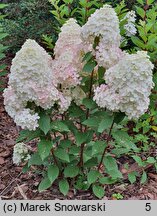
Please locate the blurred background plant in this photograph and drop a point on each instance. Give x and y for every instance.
(27, 19)
(3, 48)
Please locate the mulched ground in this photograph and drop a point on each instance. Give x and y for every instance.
(16, 185)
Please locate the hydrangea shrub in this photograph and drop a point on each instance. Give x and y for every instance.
(73, 103)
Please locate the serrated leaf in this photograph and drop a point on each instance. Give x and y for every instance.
(105, 123)
(92, 176)
(92, 122)
(87, 57)
(75, 111)
(151, 160)
(138, 42)
(83, 137)
(98, 147)
(44, 123)
(27, 135)
(140, 12)
(71, 171)
(64, 187)
(59, 126)
(62, 154)
(111, 167)
(118, 117)
(143, 178)
(98, 191)
(132, 177)
(35, 160)
(89, 103)
(123, 139)
(107, 180)
(44, 148)
(53, 172)
(138, 160)
(44, 184)
(89, 66)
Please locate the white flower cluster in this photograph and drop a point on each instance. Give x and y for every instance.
(130, 28)
(20, 153)
(68, 62)
(31, 80)
(31, 75)
(104, 25)
(107, 56)
(68, 55)
(129, 85)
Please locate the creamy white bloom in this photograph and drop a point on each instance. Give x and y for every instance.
(20, 153)
(129, 85)
(68, 55)
(12, 102)
(130, 25)
(27, 119)
(104, 24)
(31, 75)
(107, 56)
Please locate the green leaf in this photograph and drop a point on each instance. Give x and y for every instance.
(3, 35)
(59, 126)
(98, 147)
(35, 160)
(138, 42)
(25, 168)
(118, 117)
(44, 123)
(140, 12)
(123, 139)
(101, 72)
(44, 184)
(149, 2)
(98, 191)
(44, 148)
(89, 66)
(65, 144)
(75, 111)
(111, 167)
(105, 123)
(53, 172)
(89, 103)
(87, 57)
(151, 160)
(3, 5)
(143, 178)
(83, 137)
(71, 171)
(28, 135)
(138, 160)
(90, 163)
(107, 180)
(132, 177)
(92, 176)
(64, 187)
(92, 122)
(141, 2)
(62, 154)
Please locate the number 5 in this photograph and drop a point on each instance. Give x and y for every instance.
(148, 207)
